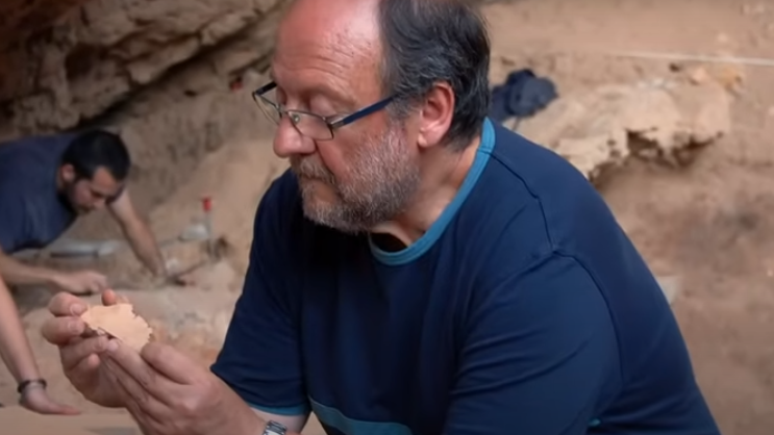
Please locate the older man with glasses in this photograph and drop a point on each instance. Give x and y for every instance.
(419, 270)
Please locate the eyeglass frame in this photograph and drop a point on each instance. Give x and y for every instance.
(346, 120)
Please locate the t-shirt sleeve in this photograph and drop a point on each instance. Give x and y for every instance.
(260, 359)
(11, 220)
(538, 352)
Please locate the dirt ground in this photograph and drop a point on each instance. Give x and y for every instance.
(707, 224)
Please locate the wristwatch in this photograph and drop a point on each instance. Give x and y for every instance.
(274, 428)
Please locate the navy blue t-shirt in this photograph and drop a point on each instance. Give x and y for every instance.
(524, 309)
(32, 212)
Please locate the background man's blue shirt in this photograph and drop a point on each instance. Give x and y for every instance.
(32, 213)
(524, 309)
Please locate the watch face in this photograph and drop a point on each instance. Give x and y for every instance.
(274, 428)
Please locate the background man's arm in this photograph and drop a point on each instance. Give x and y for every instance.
(14, 272)
(138, 233)
(539, 352)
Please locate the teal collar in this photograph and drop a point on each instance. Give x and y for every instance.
(425, 242)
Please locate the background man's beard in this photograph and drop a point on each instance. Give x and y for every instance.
(382, 180)
(68, 196)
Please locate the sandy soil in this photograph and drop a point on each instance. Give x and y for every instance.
(707, 224)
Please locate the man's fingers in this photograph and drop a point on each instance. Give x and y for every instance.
(38, 400)
(74, 354)
(141, 372)
(110, 297)
(66, 304)
(134, 389)
(68, 410)
(60, 409)
(85, 368)
(138, 395)
(60, 330)
(171, 363)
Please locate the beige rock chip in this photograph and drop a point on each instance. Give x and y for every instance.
(659, 120)
(119, 321)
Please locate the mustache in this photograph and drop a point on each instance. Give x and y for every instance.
(309, 168)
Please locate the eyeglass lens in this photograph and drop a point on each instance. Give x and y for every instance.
(306, 123)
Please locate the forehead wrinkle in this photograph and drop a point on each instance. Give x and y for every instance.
(338, 68)
(302, 74)
(331, 42)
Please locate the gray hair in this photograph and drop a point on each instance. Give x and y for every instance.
(431, 41)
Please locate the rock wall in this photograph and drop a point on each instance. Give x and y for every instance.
(21, 20)
(99, 53)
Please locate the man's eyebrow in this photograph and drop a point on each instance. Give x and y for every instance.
(334, 94)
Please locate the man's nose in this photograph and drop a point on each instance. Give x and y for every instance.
(288, 141)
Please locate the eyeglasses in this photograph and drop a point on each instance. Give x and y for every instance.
(309, 124)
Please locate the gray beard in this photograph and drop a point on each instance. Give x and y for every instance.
(382, 183)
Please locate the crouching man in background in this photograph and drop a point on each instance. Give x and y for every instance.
(46, 182)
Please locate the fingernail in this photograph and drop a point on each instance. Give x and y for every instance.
(74, 327)
(100, 345)
(112, 346)
(77, 309)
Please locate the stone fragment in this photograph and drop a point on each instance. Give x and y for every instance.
(119, 321)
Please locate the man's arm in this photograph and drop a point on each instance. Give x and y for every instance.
(14, 348)
(260, 358)
(83, 282)
(14, 272)
(138, 233)
(261, 355)
(540, 351)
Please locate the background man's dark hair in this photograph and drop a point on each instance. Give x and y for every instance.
(93, 149)
(430, 41)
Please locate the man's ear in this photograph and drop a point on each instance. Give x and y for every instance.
(436, 115)
(67, 172)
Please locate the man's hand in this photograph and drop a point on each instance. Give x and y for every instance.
(168, 394)
(80, 356)
(81, 283)
(183, 280)
(36, 399)
(176, 280)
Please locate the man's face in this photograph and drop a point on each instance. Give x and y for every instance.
(369, 171)
(358, 190)
(86, 195)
